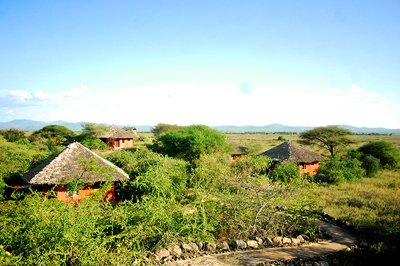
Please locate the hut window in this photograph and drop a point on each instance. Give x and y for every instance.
(123, 141)
(303, 165)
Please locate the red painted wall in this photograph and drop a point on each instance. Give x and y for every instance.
(87, 191)
(309, 168)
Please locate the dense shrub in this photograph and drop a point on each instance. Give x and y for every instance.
(211, 171)
(16, 159)
(285, 172)
(94, 144)
(371, 165)
(336, 170)
(14, 135)
(190, 142)
(151, 174)
(386, 152)
(252, 165)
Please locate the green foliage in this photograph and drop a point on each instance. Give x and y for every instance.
(94, 144)
(285, 172)
(371, 165)
(192, 141)
(14, 135)
(54, 137)
(329, 138)
(92, 130)
(252, 165)
(211, 171)
(16, 159)
(386, 152)
(151, 174)
(89, 136)
(337, 170)
(3, 186)
(161, 128)
(281, 138)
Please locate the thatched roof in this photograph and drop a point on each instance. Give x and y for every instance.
(291, 152)
(115, 132)
(74, 163)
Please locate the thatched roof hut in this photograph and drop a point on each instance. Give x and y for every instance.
(291, 152)
(74, 163)
(115, 132)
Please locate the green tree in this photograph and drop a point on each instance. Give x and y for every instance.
(162, 128)
(285, 172)
(386, 152)
(371, 165)
(14, 135)
(89, 136)
(329, 138)
(54, 135)
(337, 170)
(192, 141)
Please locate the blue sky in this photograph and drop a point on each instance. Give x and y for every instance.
(216, 62)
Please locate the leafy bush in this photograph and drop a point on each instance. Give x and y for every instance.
(211, 171)
(252, 165)
(337, 170)
(285, 172)
(16, 159)
(14, 135)
(371, 165)
(151, 174)
(94, 144)
(386, 152)
(190, 142)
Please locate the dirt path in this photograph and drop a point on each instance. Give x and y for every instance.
(340, 240)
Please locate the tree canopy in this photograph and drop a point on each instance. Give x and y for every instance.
(190, 142)
(329, 137)
(162, 128)
(386, 152)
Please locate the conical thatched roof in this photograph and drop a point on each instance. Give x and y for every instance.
(74, 163)
(115, 132)
(288, 151)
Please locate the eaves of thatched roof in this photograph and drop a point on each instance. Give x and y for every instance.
(75, 163)
(115, 132)
(291, 152)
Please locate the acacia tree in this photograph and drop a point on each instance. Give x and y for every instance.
(329, 137)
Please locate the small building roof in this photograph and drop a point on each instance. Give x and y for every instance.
(74, 163)
(115, 132)
(291, 152)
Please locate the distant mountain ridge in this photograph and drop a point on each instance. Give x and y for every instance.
(31, 125)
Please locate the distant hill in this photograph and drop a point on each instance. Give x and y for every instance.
(31, 125)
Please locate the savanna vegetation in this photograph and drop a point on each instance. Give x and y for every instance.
(184, 187)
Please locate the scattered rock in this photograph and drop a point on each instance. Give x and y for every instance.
(259, 241)
(323, 263)
(194, 247)
(200, 244)
(295, 241)
(252, 244)
(305, 237)
(211, 247)
(277, 241)
(224, 246)
(301, 239)
(286, 241)
(269, 242)
(161, 254)
(186, 247)
(175, 251)
(239, 244)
